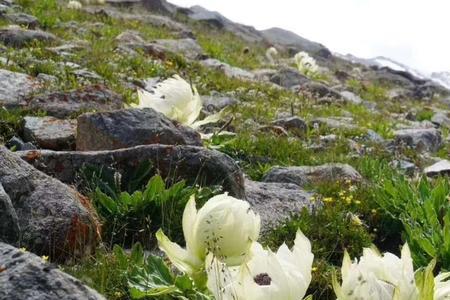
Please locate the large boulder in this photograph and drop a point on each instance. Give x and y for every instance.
(289, 78)
(194, 164)
(66, 104)
(421, 139)
(131, 127)
(53, 218)
(50, 133)
(187, 47)
(440, 168)
(288, 39)
(14, 87)
(17, 37)
(9, 223)
(307, 176)
(25, 276)
(276, 202)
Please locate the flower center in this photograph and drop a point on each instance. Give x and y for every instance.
(263, 279)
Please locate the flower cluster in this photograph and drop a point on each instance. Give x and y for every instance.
(305, 63)
(222, 251)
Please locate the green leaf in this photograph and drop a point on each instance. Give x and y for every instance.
(425, 282)
(106, 202)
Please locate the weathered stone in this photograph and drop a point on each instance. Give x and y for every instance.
(276, 202)
(440, 168)
(66, 104)
(319, 90)
(289, 78)
(50, 133)
(23, 20)
(309, 176)
(25, 276)
(17, 37)
(442, 119)
(229, 71)
(9, 223)
(131, 127)
(351, 97)
(335, 123)
(216, 103)
(18, 144)
(194, 164)
(293, 124)
(53, 218)
(14, 87)
(189, 48)
(404, 166)
(428, 139)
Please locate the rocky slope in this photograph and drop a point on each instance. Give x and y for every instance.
(68, 77)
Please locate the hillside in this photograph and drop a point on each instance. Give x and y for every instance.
(352, 152)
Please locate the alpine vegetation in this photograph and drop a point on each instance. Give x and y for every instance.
(177, 100)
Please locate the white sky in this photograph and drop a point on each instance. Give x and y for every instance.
(414, 32)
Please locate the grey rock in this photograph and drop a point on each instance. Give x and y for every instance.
(26, 276)
(18, 144)
(218, 21)
(9, 223)
(229, 71)
(285, 38)
(372, 136)
(216, 103)
(440, 168)
(23, 20)
(194, 164)
(335, 123)
(131, 127)
(320, 90)
(87, 74)
(351, 97)
(276, 202)
(442, 119)
(54, 219)
(14, 87)
(289, 78)
(18, 37)
(50, 133)
(428, 139)
(66, 104)
(293, 124)
(189, 48)
(3, 9)
(309, 176)
(405, 166)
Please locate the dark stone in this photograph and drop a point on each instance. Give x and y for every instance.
(276, 202)
(194, 164)
(18, 37)
(53, 218)
(421, 139)
(9, 223)
(25, 276)
(17, 144)
(131, 127)
(23, 20)
(50, 133)
(305, 175)
(293, 124)
(66, 104)
(289, 78)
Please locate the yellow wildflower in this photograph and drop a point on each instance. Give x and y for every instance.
(44, 258)
(23, 249)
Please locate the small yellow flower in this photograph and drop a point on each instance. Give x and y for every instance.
(328, 200)
(44, 258)
(312, 199)
(357, 202)
(23, 249)
(356, 220)
(313, 269)
(342, 194)
(374, 211)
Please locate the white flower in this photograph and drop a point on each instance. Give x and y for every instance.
(270, 53)
(74, 5)
(442, 286)
(377, 276)
(285, 274)
(224, 226)
(305, 63)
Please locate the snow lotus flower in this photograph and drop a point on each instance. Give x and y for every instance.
(74, 5)
(270, 54)
(224, 226)
(285, 274)
(177, 100)
(377, 276)
(442, 286)
(305, 63)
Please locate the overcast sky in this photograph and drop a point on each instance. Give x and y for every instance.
(414, 32)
